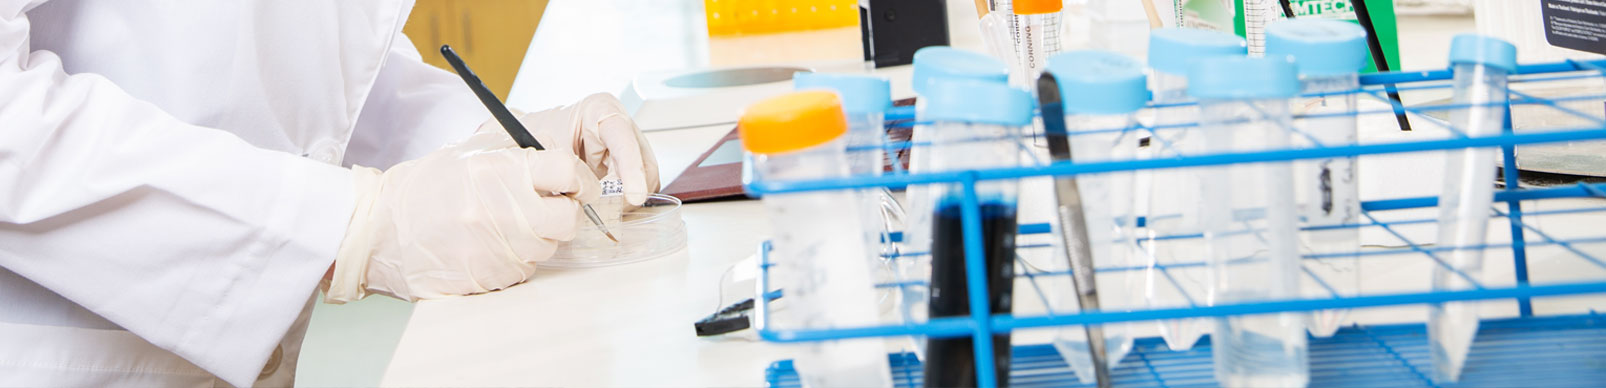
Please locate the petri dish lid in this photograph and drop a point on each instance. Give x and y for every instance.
(647, 232)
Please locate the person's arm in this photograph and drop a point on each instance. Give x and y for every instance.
(186, 236)
(413, 108)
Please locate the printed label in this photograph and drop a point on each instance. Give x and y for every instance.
(1575, 24)
(1324, 9)
(613, 187)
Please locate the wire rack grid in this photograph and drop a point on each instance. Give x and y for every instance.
(1389, 349)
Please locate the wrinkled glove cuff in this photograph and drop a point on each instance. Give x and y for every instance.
(351, 261)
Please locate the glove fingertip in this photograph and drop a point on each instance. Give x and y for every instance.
(587, 189)
(636, 197)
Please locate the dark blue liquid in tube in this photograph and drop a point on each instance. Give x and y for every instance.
(951, 362)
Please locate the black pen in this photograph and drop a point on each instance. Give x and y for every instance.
(520, 135)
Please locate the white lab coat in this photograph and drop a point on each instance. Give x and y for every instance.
(170, 193)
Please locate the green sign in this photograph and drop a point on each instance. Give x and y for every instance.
(1382, 12)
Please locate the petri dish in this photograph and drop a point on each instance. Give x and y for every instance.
(647, 232)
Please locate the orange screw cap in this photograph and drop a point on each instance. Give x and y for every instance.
(792, 122)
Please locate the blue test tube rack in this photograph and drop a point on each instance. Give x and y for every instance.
(1561, 350)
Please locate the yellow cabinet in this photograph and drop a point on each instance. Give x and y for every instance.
(491, 35)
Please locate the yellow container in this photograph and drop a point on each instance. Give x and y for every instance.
(738, 17)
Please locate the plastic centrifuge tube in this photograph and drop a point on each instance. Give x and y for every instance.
(997, 35)
(1101, 93)
(1328, 54)
(1258, 14)
(1118, 25)
(1249, 222)
(1005, 12)
(819, 255)
(1481, 65)
(1037, 36)
(981, 121)
(865, 100)
(931, 64)
(1172, 201)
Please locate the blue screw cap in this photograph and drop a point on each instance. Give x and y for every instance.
(947, 62)
(1172, 50)
(861, 94)
(1319, 47)
(975, 101)
(1483, 50)
(1099, 82)
(1243, 78)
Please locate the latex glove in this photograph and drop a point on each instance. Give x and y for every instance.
(469, 218)
(599, 131)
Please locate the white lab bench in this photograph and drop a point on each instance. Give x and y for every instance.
(630, 325)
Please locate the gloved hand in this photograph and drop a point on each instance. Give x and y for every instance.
(469, 218)
(598, 130)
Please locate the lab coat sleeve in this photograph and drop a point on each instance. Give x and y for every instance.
(413, 108)
(186, 236)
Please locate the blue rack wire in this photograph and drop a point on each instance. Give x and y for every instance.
(1574, 349)
(1410, 357)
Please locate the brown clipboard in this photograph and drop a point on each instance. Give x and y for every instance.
(702, 182)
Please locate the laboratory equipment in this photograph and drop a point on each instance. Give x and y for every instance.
(1533, 352)
(1172, 50)
(932, 64)
(1258, 14)
(1526, 351)
(686, 98)
(998, 36)
(1072, 229)
(865, 100)
(893, 31)
(509, 122)
(817, 240)
(1121, 26)
(1248, 219)
(1481, 65)
(1098, 94)
(944, 63)
(653, 230)
(981, 121)
(1328, 54)
(1172, 198)
(1037, 31)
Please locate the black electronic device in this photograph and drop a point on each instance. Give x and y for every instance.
(893, 29)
